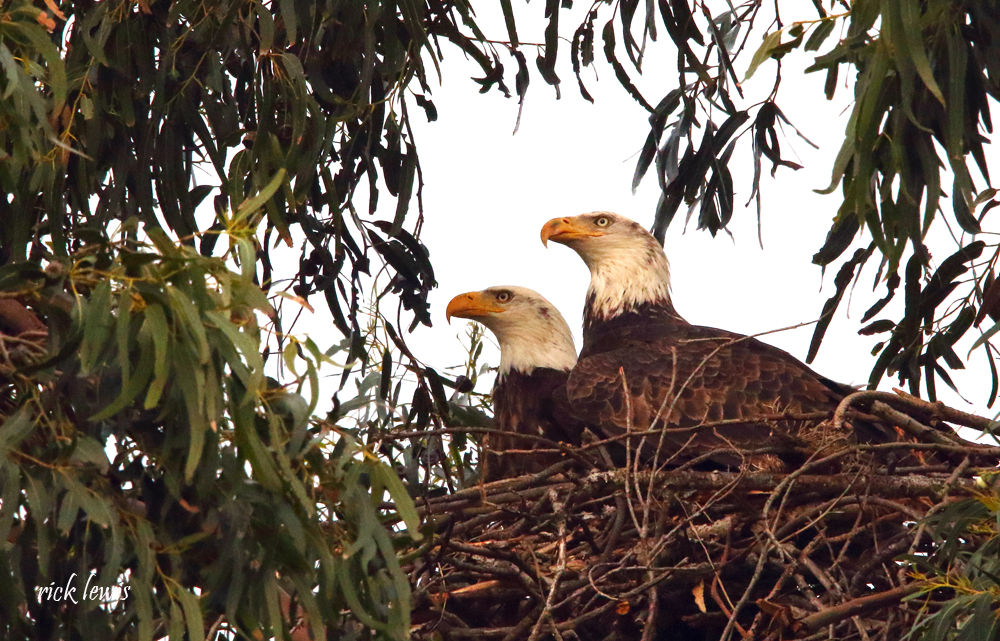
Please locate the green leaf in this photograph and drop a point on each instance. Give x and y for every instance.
(645, 157)
(271, 593)
(404, 504)
(123, 323)
(763, 52)
(67, 513)
(96, 326)
(277, 435)
(956, 145)
(987, 335)
(845, 154)
(820, 34)
(193, 386)
(349, 588)
(142, 592)
(11, 70)
(140, 581)
(251, 205)
(10, 490)
(196, 444)
(291, 27)
(114, 553)
(88, 450)
(930, 163)
(247, 293)
(912, 32)
(162, 242)
(39, 505)
(192, 613)
(56, 67)
(265, 26)
(294, 405)
(877, 327)
(193, 323)
(97, 507)
(289, 355)
(984, 195)
(963, 215)
(155, 325)
(290, 520)
(251, 447)
(295, 71)
(994, 377)
(86, 107)
(245, 345)
(248, 258)
(314, 389)
(175, 631)
(135, 384)
(15, 428)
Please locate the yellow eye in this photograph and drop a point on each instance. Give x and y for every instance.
(602, 221)
(504, 297)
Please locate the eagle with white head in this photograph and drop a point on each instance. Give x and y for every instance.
(536, 356)
(677, 375)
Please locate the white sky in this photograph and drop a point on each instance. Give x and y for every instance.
(488, 192)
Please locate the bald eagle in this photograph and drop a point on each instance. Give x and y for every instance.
(536, 356)
(693, 374)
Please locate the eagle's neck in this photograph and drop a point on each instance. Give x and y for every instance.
(646, 323)
(525, 347)
(624, 279)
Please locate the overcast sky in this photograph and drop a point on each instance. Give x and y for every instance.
(488, 192)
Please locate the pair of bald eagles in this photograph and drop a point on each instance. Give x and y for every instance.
(642, 367)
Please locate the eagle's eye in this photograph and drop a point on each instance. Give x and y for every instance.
(504, 297)
(602, 221)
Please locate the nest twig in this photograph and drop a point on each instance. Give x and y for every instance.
(726, 554)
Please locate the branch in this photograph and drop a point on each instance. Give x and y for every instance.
(855, 607)
(882, 485)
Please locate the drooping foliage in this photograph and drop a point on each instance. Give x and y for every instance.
(153, 155)
(146, 454)
(965, 580)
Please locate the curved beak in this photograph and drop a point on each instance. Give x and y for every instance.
(471, 305)
(561, 230)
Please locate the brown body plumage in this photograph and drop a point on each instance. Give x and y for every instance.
(534, 404)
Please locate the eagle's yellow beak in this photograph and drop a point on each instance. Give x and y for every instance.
(471, 305)
(562, 229)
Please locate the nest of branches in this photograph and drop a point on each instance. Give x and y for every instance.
(580, 552)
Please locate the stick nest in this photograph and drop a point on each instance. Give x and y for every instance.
(578, 552)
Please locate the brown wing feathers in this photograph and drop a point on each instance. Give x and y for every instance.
(694, 377)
